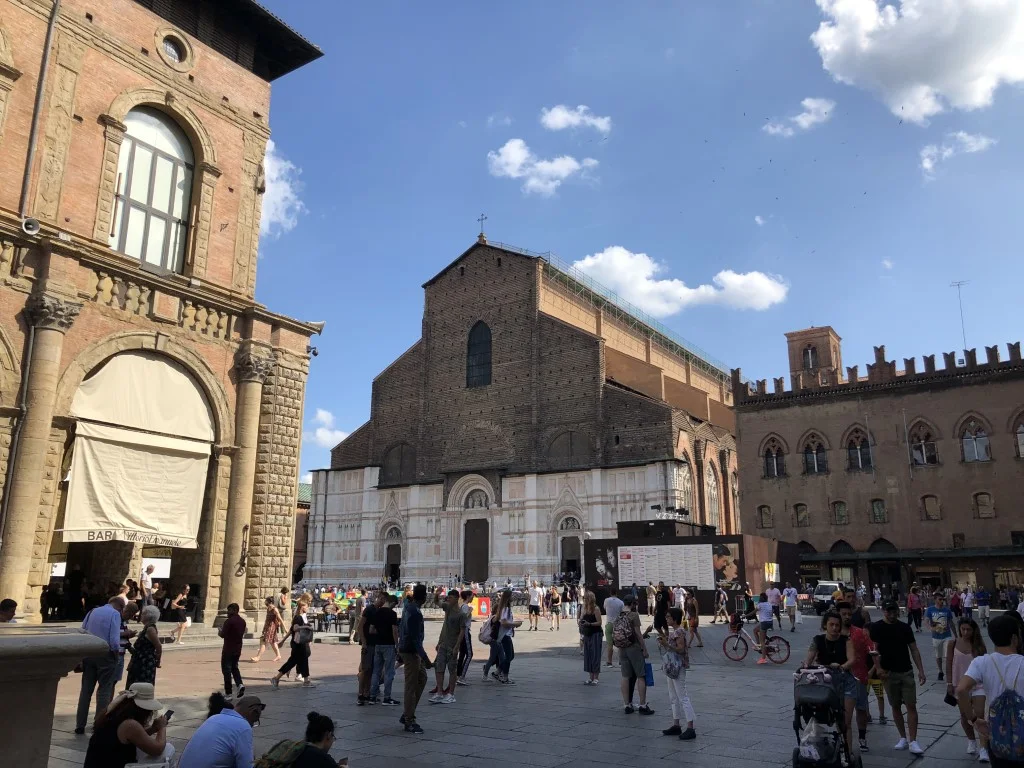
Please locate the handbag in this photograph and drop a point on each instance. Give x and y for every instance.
(304, 635)
(649, 674)
(671, 664)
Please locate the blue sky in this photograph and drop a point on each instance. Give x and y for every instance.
(843, 180)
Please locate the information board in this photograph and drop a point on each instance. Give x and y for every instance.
(688, 565)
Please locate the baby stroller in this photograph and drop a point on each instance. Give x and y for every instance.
(819, 720)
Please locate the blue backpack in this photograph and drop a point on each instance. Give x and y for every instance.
(1006, 721)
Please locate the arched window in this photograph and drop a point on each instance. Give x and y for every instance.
(840, 514)
(568, 449)
(858, 452)
(154, 190)
(930, 509)
(815, 457)
(764, 517)
(810, 357)
(878, 513)
(478, 356)
(801, 517)
(399, 466)
(974, 441)
(1019, 438)
(922, 446)
(684, 487)
(774, 459)
(711, 485)
(983, 506)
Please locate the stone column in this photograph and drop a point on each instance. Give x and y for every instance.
(252, 369)
(51, 317)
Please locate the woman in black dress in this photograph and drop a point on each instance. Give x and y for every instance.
(146, 653)
(178, 611)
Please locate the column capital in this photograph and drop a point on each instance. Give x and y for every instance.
(46, 311)
(251, 365)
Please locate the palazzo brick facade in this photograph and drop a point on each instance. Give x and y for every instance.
(897, 475)
(70, 298)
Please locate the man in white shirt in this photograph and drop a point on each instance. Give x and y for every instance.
(536, 601)
(775, 599)
(789, 596)
(146, 585)
(612, 608)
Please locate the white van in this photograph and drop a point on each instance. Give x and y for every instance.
(823, 596)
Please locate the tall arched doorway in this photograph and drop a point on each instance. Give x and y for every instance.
(393, 554)
(569, 532)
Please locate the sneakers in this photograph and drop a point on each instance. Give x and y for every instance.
(274, 682)
(983, 755)
(645, 709)
(449, 699)
(307, 683)
(371, 701)
(688, 735)
(863, 745)
(413, 728)
(588, 682)
(496, 675)
(972, 747)
(882, 720)
(506, 681)
(901, 744)
(461, 681)
(437, 698)
(674, 730)
(762, 660)
(628, 709)
(485, 675)
(390, 703)
(241, 691)
(915, 748)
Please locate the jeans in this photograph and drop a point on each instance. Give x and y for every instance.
(495, 657)
(508, 652)
(383, 670)
(100, 674)
(229, 668)
(415, 682)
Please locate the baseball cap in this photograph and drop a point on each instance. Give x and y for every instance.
(890, 605)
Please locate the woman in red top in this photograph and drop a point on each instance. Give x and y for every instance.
(914, 609)
(858, 653)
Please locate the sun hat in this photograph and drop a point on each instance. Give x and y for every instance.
(144, 696)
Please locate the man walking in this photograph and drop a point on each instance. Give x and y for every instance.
(940, 622)
(100, 672)
(612, 608)
(452, 629)
(146, 586)
(414, 658)
(366, 631)
(233, 632)
(536, 601)
(896, 646)
(775, 600)
(789, 596)
(628, 637)
(984, 600)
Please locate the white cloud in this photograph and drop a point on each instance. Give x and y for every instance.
(462, 124)
(281, 203)
(816, 111)
(503, 120)
(322, 431)
(887, 263)
(922, 57)
(759, 220)
(634, 277)
(306, 478)
(515, 161)
(956, 143)
(560, 117)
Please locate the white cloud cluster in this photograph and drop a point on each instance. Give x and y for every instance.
(957, 143)
(307, 478)
(887, 263)
(282, 205)
(502, 120)
(759, 220)
(322, 431)
(560, 117)
(515, 160)
(634, 276)
(816, 111)
(923, 57)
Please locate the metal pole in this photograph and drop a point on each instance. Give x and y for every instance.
(963, 332)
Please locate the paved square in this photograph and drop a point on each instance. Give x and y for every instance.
(549, 719)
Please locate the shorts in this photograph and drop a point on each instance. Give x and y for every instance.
(608, 633)
(856, 690)
(939, 645)
(777, 612)
(983, 611)
(660, 621)
(447, 657)
(535, 610)
(765, 625)
(791, 610)
(902, 689)
(631, 662)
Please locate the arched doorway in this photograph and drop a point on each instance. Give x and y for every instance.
(569, 532)
(393, 554)
(884, 571)
(476, 543)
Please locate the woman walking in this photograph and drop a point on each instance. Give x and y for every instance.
(494, 625)
(554, 609)
(147, 651)
(676, 661)
(178, 606)
(283, 603)
(272, 625)
(968, 645)
(507, 630)
(592, 631)
(301, 635)
(693, 617)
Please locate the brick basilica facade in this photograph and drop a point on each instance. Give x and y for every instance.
(533, 411)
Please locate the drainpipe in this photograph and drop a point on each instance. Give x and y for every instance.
(33, 136)
(12, 455)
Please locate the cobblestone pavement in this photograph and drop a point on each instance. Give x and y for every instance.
(744, 711)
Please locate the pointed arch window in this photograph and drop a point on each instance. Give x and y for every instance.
(478, 356)
(764, 517)
(858, 452)
(815, 457)
(974, 442)
(711, 484)
(774, 460)
(684, 486)
(922, 446)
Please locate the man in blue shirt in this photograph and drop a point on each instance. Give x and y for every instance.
(940, 621)
(983, 598)
(414, 657)
(100, 672)
(225, 739)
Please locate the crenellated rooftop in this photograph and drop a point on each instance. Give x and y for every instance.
(882, 374)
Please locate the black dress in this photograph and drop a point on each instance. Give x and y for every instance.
(142, 668)
(106, 750)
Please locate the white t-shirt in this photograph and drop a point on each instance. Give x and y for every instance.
(536, 595)
(146, 582)
(988, 668)
(774, 596)
(764, 611)
(968, 599)
(790, 594)
(612, 608)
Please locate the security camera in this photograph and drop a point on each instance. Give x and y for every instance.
(30, 226)
(312, 350)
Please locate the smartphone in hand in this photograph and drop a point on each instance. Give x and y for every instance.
(168, 715)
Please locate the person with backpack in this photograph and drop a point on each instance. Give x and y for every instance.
(627, 636)
(1001, 675)
(301, 634)
(313, 752)
(675, 650)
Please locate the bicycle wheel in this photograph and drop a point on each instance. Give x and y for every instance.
(735, 647)
(777, 649)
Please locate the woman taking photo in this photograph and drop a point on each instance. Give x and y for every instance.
(968, 645)
(178, 607)
(301, 635)
(272, 625)
(147, 651)
(676, 661)
(126, 731)
(590, 627)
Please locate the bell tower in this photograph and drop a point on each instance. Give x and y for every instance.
(815, 356)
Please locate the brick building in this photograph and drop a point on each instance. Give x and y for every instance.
(534, 410)
(146, 398)
(897, 475)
